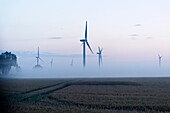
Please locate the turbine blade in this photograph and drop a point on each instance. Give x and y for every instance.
(86, 31)
(41, 59)
(89, 47)
(101, 50)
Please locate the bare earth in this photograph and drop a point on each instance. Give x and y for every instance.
(96, 95)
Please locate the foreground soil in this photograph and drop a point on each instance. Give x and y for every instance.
(96, 95)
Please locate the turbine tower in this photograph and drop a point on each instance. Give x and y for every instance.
(51, 62)
(100, 56)
(84, 42)
(38, 58)
(160, 58)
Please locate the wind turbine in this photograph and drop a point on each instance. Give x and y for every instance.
(160, 58)
(71, 63)
(100, 56)
(38, 58)
(51, 62)
(84, 46)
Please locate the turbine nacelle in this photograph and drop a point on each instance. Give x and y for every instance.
(83, 40)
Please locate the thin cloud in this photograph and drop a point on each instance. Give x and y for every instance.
(149, 37)
(55, 38)
(133, 35)
(138, 25)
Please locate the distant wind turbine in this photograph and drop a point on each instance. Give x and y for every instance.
(71, 63)
(38, 58)
(51, 62)
(160, 58)
(100, 55)
(84, 44)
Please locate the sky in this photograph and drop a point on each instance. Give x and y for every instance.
(131, 32)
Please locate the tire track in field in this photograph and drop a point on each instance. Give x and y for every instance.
(75, 83)
(37, 97)
(23, 95)
(36, 89)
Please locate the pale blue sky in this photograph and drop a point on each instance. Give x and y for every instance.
(27, 24)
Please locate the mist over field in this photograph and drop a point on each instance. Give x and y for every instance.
(61, 68)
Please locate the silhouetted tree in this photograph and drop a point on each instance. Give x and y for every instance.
(7, 60)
